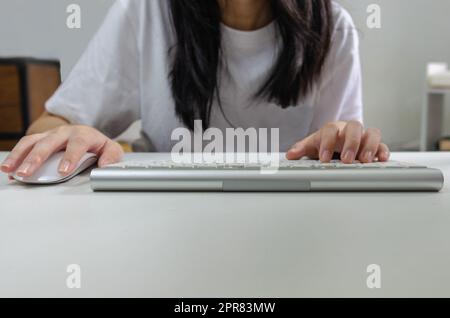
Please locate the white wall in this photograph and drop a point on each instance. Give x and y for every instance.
(38, 28)
(413, 32)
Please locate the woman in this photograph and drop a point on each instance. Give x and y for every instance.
(287, 64)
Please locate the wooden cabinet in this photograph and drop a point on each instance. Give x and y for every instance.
(25, 86)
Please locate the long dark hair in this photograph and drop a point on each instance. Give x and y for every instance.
(305, 27)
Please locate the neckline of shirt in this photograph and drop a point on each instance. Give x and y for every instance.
(248, 39)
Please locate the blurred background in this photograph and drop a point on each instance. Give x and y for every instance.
(413, 33)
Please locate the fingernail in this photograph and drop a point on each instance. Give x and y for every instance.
(300, 149)
(64, 167)
(105, 162)
(368, 156)
(326, 155)
(8, 163)
(24, 169)
(349, 156)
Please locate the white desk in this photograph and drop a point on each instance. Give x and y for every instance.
(224, 244)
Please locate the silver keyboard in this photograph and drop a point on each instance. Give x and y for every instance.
(162, 174)
(283, 165)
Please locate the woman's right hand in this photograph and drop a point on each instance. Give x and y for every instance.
(33, 150)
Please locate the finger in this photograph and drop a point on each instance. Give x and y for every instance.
(111, 153)
(383, 153)
(20, 152)
(306, 147)
(371, 142)
(352, 140)
(329, 136)
(41, 151)
(76, 148)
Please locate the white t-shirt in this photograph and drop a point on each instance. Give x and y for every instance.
(123, 77)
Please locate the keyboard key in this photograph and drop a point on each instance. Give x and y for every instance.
(283, 164)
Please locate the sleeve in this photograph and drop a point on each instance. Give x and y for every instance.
(102, 90)
(339, 96)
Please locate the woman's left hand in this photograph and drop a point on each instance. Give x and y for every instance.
(347, 138)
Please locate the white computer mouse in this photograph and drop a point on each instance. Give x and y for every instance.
(48, 172)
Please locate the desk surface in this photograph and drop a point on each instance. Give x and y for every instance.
(224, 244)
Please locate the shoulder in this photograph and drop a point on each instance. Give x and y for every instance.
(345, 33)
(145, 16)
(139, 8)
(343, 56)
(342, 18)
